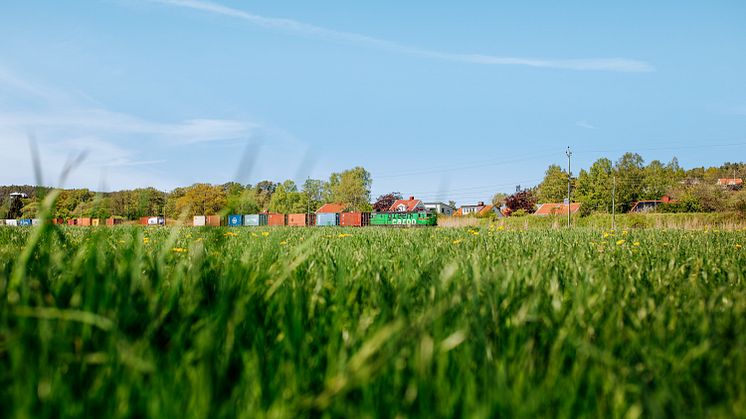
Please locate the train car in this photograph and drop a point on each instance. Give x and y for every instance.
(235, 220)
(354, 219)
(251, 220)
(327, 219)
(276, 219)
(301, 220)
(418, 218)
(213, 220)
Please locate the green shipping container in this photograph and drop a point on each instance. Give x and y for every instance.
(403, 219)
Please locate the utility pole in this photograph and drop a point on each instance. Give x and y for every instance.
(569, 184)
(613, 204)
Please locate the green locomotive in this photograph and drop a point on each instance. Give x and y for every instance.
(418, 218)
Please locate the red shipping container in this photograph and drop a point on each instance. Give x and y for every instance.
(212, 220)
(144, 221)
(354, 219)
(71, 222)
(276, 219)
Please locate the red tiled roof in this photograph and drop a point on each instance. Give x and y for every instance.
(410, 204)
(730, 181)
(486, 209)
(334, 207)
(557, 209)
(458, 213)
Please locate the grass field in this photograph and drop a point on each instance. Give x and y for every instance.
(309, 322)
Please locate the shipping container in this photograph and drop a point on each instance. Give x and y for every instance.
(251, 220)
(263, 219)
(11, 223)
(84, 222)
(327, 219)
(24, 222)
(213, 220)
(71, 222)
(58, 221)
(113, 221)
(199, 221)
(156, 221)
(301, 220)
(235, 220)
(276, 219)
(35, 222)
(354, 219)
(95, 221)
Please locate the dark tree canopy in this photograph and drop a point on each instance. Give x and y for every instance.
(384, 202)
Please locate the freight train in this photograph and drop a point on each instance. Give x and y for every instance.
(344, 219)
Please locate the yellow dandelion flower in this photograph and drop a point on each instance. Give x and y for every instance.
(199, 240)
(344, 235)
(229, 234)
(738, 246)
(283, 243)
(624, 233)
(254, 235)
(636, 243)
(620, 242)
(145, 240)
(501, 228)
(178, 250)
(457, 241)
(606, 234)
(265, 233)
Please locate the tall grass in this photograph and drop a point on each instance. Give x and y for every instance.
(283, 322)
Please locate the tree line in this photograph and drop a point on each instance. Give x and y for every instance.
(351, 187)
(629, 180)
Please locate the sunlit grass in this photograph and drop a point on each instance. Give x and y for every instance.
(292, 322)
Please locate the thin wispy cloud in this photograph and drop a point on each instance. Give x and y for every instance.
(313, 31)
(585, 124)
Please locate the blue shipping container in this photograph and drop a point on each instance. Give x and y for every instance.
(235, 220)
(327, 219)
(251, 220)
(24, 222)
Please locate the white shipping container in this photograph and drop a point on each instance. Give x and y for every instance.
(11, 223)
(199, 220)
(35, 221)
(251, 220)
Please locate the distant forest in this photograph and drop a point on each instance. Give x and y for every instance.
(629, 179)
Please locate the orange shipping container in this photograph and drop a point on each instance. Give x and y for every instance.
(276, 219)
(84, 222)
(354, 219)
(301, 220)
(213, 220)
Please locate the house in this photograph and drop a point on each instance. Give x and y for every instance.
(407, 205)
(440, 208)
(650, 204)
(470, 209)
(731, 183)
(489, 208)
(557, 209)
(331, 208)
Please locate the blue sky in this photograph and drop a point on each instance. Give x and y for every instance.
(440, 100)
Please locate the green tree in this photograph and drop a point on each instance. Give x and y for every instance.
(315, 191)
(201, 199)
(630, 180)
(554, 186)
(594, 186)
(351, 187)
